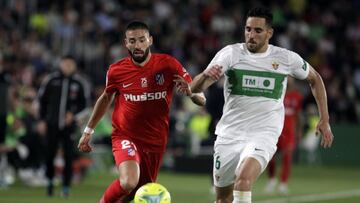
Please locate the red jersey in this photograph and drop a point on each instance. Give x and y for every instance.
(293, 105)
(143, 98)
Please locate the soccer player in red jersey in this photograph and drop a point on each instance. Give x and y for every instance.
(286, 144)
(142, 86)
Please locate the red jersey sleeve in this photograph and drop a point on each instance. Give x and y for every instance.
(110, 81)
(180, 70)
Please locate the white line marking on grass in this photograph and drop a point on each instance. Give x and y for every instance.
(314, 197)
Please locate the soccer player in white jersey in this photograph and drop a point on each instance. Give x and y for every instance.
(253, 114)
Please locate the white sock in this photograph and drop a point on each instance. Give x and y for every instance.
(242, 196)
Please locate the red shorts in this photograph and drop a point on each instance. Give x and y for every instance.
(125, 149)
(286, 141)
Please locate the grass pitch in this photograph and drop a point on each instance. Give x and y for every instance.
(307, 184)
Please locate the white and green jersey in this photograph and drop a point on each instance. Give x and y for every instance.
(254, 89)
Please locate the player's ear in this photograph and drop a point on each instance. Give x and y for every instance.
(125, 38)
(150, 40)
(270, 32)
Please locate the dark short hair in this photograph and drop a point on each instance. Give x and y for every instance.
(134, 25)
(261, 12)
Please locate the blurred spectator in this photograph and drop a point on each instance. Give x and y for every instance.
(310, 142)
(199, 130)
(12, 147)
(63, 98)
(33, 166)
(5, 82)
(5, 86)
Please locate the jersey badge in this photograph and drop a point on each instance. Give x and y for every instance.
(304, 66)
(275, 65)
(131, 152)
(144, 82)
(159, 78)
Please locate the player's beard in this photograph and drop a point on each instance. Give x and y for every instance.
(139, 59)
(254, 47)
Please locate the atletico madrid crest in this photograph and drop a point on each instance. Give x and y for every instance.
(159, 78)
(131, 152)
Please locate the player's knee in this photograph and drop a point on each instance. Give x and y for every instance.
(243, 184)
(128, 183)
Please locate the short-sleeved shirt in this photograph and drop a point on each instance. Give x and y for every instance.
(143, 98)
(254, 89)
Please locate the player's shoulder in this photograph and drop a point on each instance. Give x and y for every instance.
(163, 57)
(237, 47)
(116, 66)
(282, 54)
(125, 60)
(279, 50)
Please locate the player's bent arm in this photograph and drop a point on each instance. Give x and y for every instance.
(201, 82)
(198, 98)
(102, 104)
(319, 93)
(100, 108)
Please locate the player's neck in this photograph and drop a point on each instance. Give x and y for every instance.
(263, 49)
(142, 64)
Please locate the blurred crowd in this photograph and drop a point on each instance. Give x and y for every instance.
(34, 34)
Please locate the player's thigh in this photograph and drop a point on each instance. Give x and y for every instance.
(129, 174)
(149, 168)
(127, 159)
(124, 149)
(249, 170)
(226, 158)
(259, 150)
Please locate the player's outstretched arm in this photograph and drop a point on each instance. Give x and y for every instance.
(101, 106)
(318, 90)
(184, 88)
(198, 98)
(202, 81)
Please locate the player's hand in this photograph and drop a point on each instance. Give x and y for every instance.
(84, 141)
(213, 72)
(323, 129)
(182, 86)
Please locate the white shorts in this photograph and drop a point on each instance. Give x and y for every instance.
(229, 154)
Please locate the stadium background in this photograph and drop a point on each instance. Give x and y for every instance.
(34, 35)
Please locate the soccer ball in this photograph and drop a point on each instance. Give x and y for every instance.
(152, 193)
